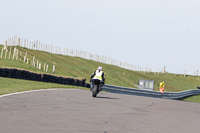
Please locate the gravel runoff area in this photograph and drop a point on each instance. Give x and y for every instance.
(76, 111)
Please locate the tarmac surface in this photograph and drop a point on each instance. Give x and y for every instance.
(76, 111)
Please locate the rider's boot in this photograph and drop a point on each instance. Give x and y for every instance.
(91, 86)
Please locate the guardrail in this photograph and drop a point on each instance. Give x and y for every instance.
(155, 94)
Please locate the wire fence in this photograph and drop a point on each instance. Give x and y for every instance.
(37, 45)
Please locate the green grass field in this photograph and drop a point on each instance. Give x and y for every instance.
(81, 68)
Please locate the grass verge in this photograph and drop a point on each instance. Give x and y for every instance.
(9, 85)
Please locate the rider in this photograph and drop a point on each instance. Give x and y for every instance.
(98, 74)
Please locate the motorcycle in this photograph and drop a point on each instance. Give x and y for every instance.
(95, 86)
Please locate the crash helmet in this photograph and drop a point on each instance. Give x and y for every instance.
(100, 68)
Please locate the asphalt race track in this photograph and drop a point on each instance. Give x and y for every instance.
(76, 111)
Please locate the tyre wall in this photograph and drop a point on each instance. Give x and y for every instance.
(27, 75)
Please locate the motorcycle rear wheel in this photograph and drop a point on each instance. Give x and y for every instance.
(94, 92)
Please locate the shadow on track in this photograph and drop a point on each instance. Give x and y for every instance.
(106, 97)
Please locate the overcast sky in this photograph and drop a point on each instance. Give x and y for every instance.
(153, 33)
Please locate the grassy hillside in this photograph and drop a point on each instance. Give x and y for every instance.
(82, 68)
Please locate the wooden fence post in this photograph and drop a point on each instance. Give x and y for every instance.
(49, 49)
(5, 54)
(62, 51)
(185, 73)
(44, 66)
(24, 43)
(5, 45)
(37, 64)
(21, 42)
(45, 47)
(164, 70)
(27, 44)
(52, 48)
(40, 66)
(8, 42)
(17, 50)
(54, 67)
(33, 61)
(25, 57)
(18, 41)
(12, 41)
(47, 68)
(30, 44)
(10, 53)
(14, 53)
(37, 45)
(27, 60)
(197, 72)
(20, 56)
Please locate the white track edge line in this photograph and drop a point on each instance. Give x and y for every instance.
(16, 93)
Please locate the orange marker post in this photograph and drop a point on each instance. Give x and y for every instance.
(162, 85)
